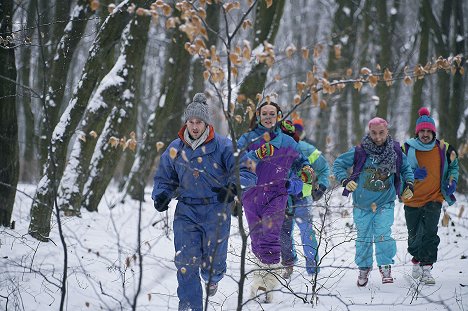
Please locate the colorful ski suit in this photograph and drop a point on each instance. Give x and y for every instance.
(265, 203)
(373, 190)
(201, 223)
(422, 219)
(299, 212)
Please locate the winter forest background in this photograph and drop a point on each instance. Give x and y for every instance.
(91, 92)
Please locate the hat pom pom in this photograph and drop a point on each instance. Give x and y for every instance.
(423, 112)
(199, 98)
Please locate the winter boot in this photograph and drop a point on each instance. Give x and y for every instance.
(426, 276)
(288, 271)
(417, 271)
(265, 280)
(212, 288)
(386, 272)
(363, 277)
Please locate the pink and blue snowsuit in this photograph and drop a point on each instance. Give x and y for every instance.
(265, 203)
(201, 223)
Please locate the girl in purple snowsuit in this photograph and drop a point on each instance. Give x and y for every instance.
(281, 169)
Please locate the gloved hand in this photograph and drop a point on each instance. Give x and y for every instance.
(307, 174)
(265, 150)
(409, 191)
(161, 202)
(420, 173)
(294, 186)
(349, 184)
(318, 193)
(451, 187)
(225, 194)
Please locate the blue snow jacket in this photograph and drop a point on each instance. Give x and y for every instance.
(372, 188)
(318, 163)
(193, 173)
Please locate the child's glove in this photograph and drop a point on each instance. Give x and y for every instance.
(265, 150)
(451, 187)
(318, 193)
(349, 184)
(307, 174)
(420, 173)
(409, 191)
(294, 186)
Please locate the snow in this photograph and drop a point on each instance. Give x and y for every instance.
(103, 267)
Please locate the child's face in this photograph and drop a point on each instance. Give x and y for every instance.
(268, 116)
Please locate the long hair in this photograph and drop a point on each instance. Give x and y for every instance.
(256, 118)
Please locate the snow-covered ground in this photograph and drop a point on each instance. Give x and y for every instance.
(104, 269)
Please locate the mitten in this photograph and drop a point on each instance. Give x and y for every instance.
(318, 193)
(265, 150)
(225, 194)
(451, 187)
(307, 174)
(349, 184)
(288, 127)
(409, 191)
(294, 186)
(420, 173)
(161, 202)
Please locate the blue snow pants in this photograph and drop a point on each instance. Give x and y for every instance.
(303, 218)
(201, 233)
(374, 228)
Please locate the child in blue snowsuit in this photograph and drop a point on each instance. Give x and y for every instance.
(198, 168)
(378, 165)
(299, 207)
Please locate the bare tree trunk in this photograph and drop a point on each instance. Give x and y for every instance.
(43, 203)
(342, 27)
(59, 68)
(164, 123)
(385, 27)
(423, 55)
(29, 162)
(106, 157)
(9, 157)
(362, 44)
(267, 21)
(457, 103)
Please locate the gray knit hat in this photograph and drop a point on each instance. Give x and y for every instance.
(198, 108)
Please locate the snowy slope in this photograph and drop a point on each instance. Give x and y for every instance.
(103, 265)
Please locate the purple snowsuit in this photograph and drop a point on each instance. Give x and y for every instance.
(265, 203)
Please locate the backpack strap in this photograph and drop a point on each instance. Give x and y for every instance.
(399, 162)
(358, 164)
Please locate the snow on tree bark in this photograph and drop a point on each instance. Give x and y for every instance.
(59, 69)
(105, 157)
(45, 195)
